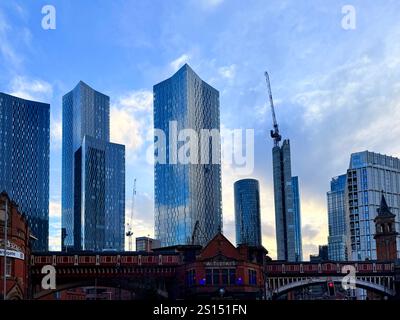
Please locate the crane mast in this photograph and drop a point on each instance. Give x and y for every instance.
(275, 132)
(129, 233)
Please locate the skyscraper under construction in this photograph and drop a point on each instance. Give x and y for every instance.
(286, 197)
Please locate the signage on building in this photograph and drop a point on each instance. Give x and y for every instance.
(220, 263)
(12, 254)
(10, 245)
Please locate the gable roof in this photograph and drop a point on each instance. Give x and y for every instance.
(220, 246)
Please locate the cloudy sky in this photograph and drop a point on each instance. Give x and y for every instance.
(336, 91)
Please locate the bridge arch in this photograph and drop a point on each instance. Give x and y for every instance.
(305, 282)
(158, 290)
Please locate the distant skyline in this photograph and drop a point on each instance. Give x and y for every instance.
(336, 91)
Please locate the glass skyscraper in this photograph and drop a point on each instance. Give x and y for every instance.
(187, 196)
(247, 212)
(93, 174)
(368, 175)
(287, 210)
(24, 161)
(337, 250)
(297, 219)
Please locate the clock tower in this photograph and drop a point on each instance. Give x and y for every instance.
(386, 235)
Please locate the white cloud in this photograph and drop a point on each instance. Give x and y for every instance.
(6, 49)
(31, 89)
(126, 129)
(131, 119)
(210, 4)
(141, 100)
(55, 133)
(55, 225)
(179, 62)
(55, 209)
(55, 242)
(228, 72)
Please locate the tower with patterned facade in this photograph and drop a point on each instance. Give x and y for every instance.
(187, 195)
(93, 174)
(25, 160)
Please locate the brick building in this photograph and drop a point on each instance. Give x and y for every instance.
(18, 250)
(220, 270)
(386, 234)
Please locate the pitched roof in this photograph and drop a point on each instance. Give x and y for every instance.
(383, 209)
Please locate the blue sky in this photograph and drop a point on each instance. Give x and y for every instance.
(337, 91)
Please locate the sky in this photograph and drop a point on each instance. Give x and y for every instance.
(336, 90)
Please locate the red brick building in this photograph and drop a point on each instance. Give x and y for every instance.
(221, 271)
(386, 235)
(18, 250)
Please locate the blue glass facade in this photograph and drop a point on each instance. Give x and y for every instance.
(247, 212)
(287, 205)
(186, 193)
(93, 169)
(297, 219)
(24, 161)
(337, 219)
(368, 175)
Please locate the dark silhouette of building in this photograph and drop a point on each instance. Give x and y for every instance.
(146, 244)
(385, 236)
(322, 254)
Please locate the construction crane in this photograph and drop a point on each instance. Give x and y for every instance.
(274, 133)
(129, 233)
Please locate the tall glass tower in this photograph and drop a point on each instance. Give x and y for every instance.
(297, 219)
(287, 205)
(24, 161)
(369, 175)
(247, 212)
(93, 174)
(187, 195)
(337, 219)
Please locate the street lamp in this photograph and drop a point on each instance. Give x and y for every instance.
(221, 292)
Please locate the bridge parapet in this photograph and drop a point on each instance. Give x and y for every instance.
(105, 260)
(279, 268)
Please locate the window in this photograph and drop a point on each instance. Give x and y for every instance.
(252, 277)
(215, 276)
(232, 276)
(8, 267)
(191, 277)
(208, 276)
(225, 276)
